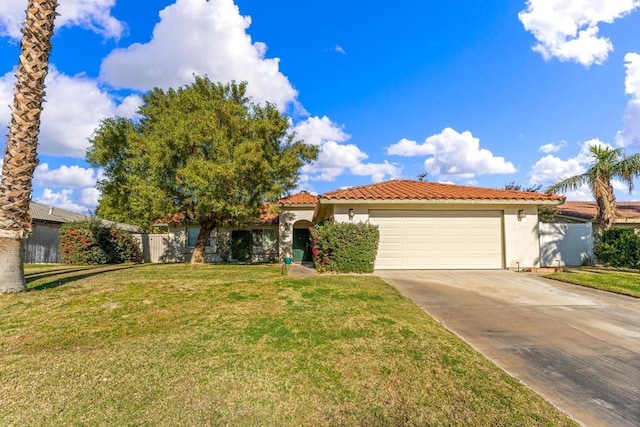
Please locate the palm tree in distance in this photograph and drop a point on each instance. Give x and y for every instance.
(608, 163)
(20, 159)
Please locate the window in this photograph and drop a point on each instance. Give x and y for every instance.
(192, 236)
(264, 239)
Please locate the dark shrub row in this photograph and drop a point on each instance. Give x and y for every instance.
(344, 247)
(91, 242)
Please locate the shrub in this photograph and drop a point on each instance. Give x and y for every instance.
(344, 247)
(618, 247)
(241, 245)
(91, 242)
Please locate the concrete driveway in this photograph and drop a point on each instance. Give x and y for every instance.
(579, 348)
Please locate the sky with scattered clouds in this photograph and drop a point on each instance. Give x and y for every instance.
(471, 92)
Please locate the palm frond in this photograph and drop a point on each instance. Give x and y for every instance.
(569, 184)
(628, 169)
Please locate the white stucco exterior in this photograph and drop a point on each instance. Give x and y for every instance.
(520, 236)
(290, 218)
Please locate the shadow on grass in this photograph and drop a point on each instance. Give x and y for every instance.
(30, 277)
(63, 277)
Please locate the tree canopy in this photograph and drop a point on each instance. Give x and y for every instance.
(203, 151)
(607, 164)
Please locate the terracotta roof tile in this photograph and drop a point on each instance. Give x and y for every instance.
(419, 190)
(301, 198)
(269, 214)
(588, 210)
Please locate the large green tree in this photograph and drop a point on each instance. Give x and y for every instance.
(607, 164)
(203, 151)
(20, 158)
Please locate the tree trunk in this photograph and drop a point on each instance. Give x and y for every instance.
(206, 227)
(12, 265)
(20, 159)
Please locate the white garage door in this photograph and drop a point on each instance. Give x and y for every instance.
(438, 240)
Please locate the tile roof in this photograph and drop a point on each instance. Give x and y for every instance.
(402, 189)
(301, 198)
(269, 214)
(587, 210)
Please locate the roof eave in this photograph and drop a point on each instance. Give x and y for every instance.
(442, 202)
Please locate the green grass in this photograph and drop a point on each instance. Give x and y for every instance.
(230, 345)
(622, 282)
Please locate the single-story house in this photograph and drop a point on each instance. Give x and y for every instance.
(41, 246)
(423, 225)
(628, 213)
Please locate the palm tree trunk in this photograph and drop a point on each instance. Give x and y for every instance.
(20, 159)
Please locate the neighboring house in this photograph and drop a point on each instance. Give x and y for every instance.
(42, 245)
(423, 225)
(629, 213)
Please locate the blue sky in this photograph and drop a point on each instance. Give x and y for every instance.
(472, 92)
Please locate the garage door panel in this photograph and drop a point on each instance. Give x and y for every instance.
(439, 239)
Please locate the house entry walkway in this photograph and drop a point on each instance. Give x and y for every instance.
(577, 347)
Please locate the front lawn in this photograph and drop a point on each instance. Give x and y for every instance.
(621, 282)
(240, 345)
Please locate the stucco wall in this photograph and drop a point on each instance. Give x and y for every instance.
(521, 238)
(288, 219)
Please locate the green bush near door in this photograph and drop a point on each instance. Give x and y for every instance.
(345, 247)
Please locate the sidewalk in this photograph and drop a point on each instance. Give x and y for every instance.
(305, 269)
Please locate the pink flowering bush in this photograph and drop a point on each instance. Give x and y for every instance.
(344, 247)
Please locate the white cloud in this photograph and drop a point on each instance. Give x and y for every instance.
(453, 155)
(202, 38)
(64, 199)
(340, 49)
(550, 170)
(568, 30)
(65, 176)
(318, 130)
(336, 158)
(630, 135)
(73, 109)
(632, 80)
(89, 197)
(552, 147)
(94, 15)
(409, 148)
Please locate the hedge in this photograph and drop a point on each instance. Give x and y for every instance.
(618, 247)
(92, 242)
(344, 247)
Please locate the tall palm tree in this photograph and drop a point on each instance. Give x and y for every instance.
(20, 157)
(608, 163)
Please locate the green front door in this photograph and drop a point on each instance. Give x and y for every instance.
(301, 245)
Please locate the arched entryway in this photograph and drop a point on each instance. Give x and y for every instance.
(301, 241)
